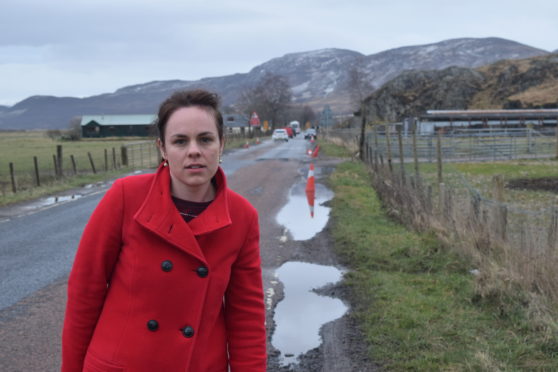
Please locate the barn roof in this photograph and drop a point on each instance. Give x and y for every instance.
(118, 119)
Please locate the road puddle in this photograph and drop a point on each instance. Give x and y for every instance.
(302, 312)
(52, 200)
(296, 217)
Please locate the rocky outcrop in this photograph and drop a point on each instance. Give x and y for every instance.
(413, 92)
(524, 83)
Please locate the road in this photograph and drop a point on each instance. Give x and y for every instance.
(37, 247)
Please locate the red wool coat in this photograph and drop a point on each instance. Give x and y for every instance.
(150, 292)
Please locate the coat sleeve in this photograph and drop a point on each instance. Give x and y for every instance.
(90, 277)
(245, 309)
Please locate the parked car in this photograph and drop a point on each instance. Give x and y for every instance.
(310, 133)
(280, 135)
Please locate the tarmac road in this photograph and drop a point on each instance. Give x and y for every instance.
(38, 244)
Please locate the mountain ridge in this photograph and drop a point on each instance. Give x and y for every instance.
(316, 77)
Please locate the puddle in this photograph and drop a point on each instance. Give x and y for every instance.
(302, 312)
(296, 217)
(46, 202)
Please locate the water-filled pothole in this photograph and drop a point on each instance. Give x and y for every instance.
(302, 312)
(296, 217)
(52, 200)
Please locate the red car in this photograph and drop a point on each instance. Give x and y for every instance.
(289, 131)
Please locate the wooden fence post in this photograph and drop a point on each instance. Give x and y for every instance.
(106, 161)
(415, 152)
(55, 162)
(124, 155)
(37, 178)
(12, 177)
(113, 158)
(441, 194)
(59, 159)
(556, 129)
(388, 139)
(500, 211)
(439, 156)
(498, 188)
(553, 230)
(401, 155)
(92, 163)
(502, 221)
(74, 167)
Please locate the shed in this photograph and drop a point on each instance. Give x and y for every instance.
(117, 125)
(502, 118)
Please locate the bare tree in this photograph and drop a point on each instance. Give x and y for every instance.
(359, 88)
(307, 116)
(270, 98)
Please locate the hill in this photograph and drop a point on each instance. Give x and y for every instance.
(316, 77)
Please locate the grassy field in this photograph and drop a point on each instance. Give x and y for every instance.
(416, 299)
(19, 148)
(479, 176)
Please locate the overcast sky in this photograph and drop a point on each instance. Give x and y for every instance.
(84, 47)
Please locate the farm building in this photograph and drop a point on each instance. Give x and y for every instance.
(236, 123)
(448, 120)
(117, 125)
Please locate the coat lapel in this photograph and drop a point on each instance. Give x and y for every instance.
(158, 214)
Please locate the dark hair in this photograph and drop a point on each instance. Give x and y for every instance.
(189, 98)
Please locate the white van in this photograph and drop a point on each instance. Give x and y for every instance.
(296, 127)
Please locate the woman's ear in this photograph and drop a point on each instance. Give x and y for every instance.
(161, 148)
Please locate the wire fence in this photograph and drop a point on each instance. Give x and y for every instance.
(41, 170)
(521, 241)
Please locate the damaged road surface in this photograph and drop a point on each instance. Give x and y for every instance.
(295, 253)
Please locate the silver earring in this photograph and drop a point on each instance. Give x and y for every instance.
(165, 163)
(220, 159)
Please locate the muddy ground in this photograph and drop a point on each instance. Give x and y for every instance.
(534, 184)
(343, 348)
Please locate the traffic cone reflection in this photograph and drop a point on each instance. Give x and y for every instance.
(316, 151)
(311, 189)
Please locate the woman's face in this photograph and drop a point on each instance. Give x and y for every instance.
(192, 148)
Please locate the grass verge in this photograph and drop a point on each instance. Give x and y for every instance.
(415, 298)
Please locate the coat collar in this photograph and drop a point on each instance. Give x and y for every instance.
(159, 214)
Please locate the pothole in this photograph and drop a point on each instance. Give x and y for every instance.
(296, 214)
(302, 312)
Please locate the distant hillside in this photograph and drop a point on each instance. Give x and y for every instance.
(317, 78)
(524, 83)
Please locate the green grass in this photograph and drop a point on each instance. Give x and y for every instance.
(415, 298)
(331, 149)
(478, 176)
(19, 148)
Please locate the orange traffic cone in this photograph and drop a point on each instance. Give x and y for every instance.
(311, 189)
(246, 145)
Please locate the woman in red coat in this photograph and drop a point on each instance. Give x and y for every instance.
(167, 275)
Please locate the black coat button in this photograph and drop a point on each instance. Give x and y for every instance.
(152, 325)
(166, 266)
(202, 271)
(188, 331)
